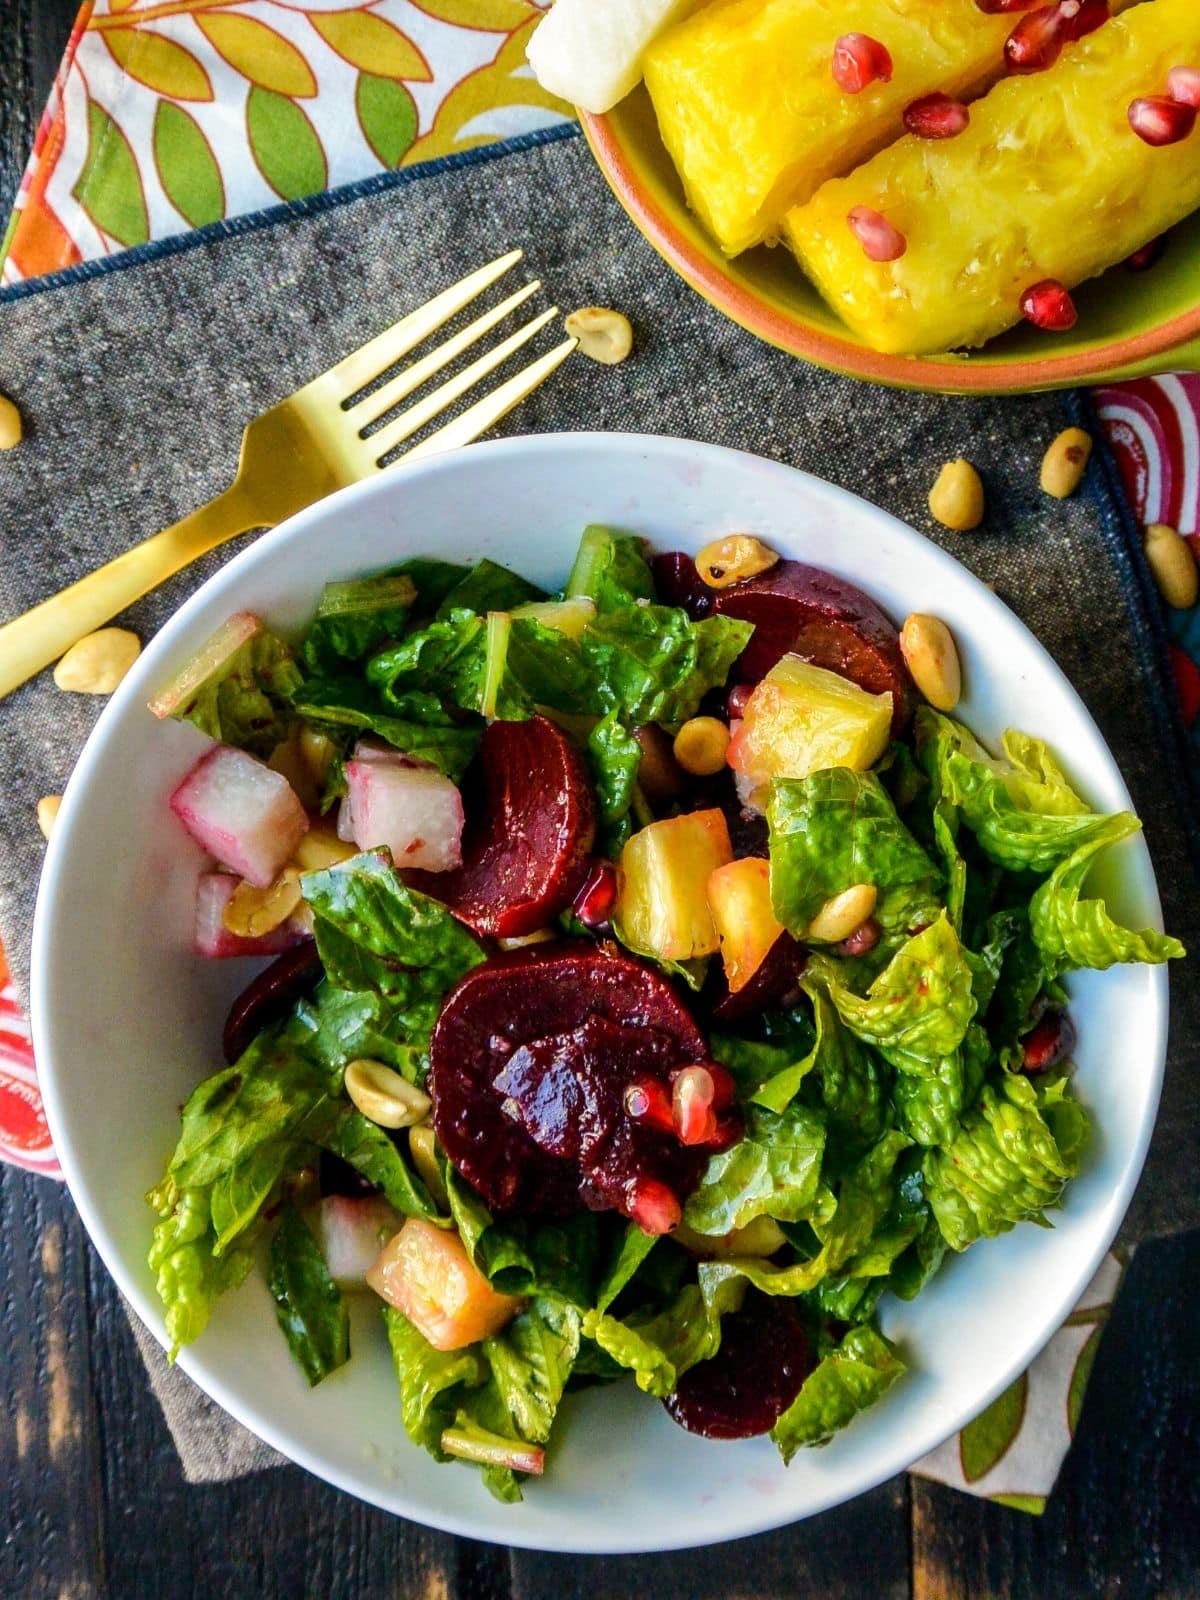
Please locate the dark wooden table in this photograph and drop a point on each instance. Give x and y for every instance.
(95, 1503)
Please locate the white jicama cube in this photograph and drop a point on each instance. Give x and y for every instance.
(590, 51)
(351, 1230)
(244, 814)
(416, 812)
(213, 939)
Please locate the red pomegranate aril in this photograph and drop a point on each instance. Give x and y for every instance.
(692, 1094)
(735, 701)
(1037, 40)
(723, 1085)
(653, 1207)
(936, 116)
(1049, 1042)
(647, 1100)
(997, 8)
(1159, 120)
(881, 241)
(864, 938)
(1183, 84)
(597, 895)
(726, 1131)
(859, 61)
(1081, 17)
(1048, 305)
(1142, 260)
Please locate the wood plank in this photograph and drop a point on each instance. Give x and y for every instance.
(1124, 1520)
(52, 1517)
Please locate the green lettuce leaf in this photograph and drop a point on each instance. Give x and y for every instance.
(836, 828)
(432, 1382)
(654, 664)
(614, 757)
(610, 570)
(1072, 933)
(333, 1026)
(308, 1304)
(354, 618)
(773, 1170)
(531, 1362)
(367, 1148)
(531, 665)
(432, 579)
(488, 587)
(445, 660)
(247, 700)
(849, 1380)
(340, 704)
(1012, 1157)
(522, 1256)
(188, 1276)
(632, 1252)
(659, 1349)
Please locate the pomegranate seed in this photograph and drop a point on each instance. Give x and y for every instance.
(691, 1105)
(1048, 305)
(735, 701)
(1141, 260)
(995, 8)
(723, 1087)
(726, 1131)
(1049, 1042)
(936, 116)
(1036, 42)
(597, 896)
(1081, 17)
(858, 61)
(879, 239)
(865, 937)
(652, 1206)
(1183, 84)
(647, 1100)
(1159, 120)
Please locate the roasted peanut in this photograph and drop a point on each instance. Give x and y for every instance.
(1173, 565)
(931, 655)
(317, 751)
(840, 915)
(422, 1141)
(47, 813)
(1065, 463)
(956, 499)
(251, 913)
(700, 746)
(96, 663)
(604, 335)
(320, 848)
(10, 424)
(733, 559)
(384, 1097)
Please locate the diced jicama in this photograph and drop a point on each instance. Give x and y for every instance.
(351, 1231)
(590, 53)
(426, 1273)
(241, 812)
(1049, 182)
(415, 812)
(213, 939)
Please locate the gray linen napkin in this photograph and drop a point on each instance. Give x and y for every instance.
(135, 384)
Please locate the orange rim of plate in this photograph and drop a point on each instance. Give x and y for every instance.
(788, 333)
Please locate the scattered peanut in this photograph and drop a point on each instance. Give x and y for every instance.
(317, 751)
(10, 424)
(839, 916)
(956, 499)
(422, 1141)
(384, 1097)
(1065, 462)
(1173, 565)
(47, 813)
(931, 655)
(700, 746)
(320, 848)
(287, 760)
(96, 663)
(250, 913)
(606, 336)
(734, 559)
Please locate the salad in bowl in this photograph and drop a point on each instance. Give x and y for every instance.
(663, 980)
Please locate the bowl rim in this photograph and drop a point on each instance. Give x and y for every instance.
(54, 896)
(843, 355)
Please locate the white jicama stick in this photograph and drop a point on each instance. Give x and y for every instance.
(590, 51)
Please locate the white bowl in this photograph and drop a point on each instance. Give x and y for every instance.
(127, 1020)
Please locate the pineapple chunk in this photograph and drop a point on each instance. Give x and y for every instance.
(426, 1272)
(801, 719)
(739, 897)
(1049, 181)
(662, 908)
(748, 108)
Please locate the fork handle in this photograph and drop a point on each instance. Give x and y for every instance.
(38, 637)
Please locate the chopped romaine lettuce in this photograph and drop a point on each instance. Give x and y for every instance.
(654, 664)
(355, 618)
(773, 1170)
(614, 757)
(610, 570)
(854, 1376)
(431, 1381)
(366, 1147)
(488, 587)
(659, 1349)
(308, 1304)
(430, 734)
(188, 1275)
(241, 694)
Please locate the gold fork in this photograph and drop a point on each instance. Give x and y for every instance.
(304, 448)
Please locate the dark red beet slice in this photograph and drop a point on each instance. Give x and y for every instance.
(776, 977)
(531, 822)
(753, 1378)
(679, 584)
(516, 1028)
(270, 996)
(807, 612)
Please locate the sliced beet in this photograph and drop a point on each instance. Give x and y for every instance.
(679, 584)
(773, 980)
(531, 821)
(753, 1378)
(270, 996)
(805, 611)
(530, 1041)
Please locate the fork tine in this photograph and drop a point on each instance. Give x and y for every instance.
(407, 423)
(386, 348)
(480, 417)
(382, 400)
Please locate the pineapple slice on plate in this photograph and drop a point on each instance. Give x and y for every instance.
(1049, 182)
(753, 118)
